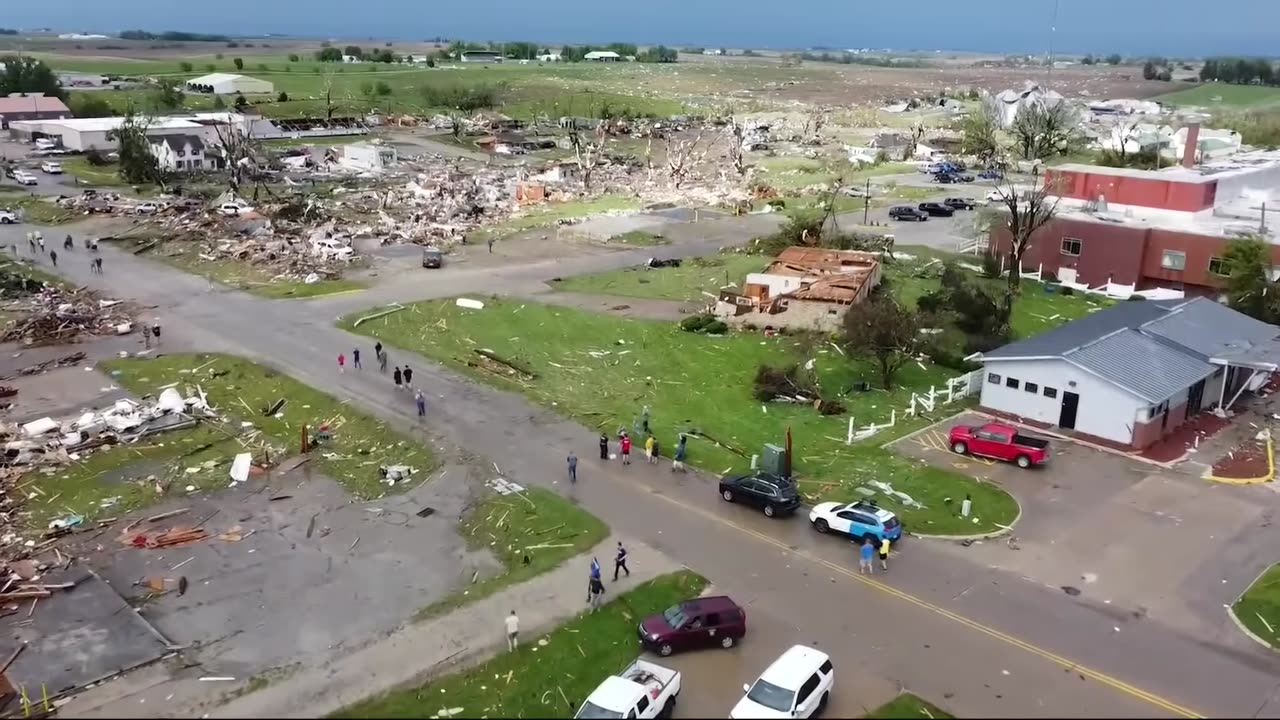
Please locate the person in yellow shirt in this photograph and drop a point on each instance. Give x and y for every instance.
(884, 554)
(648, 450)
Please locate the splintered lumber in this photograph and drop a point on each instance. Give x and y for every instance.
(516, 367)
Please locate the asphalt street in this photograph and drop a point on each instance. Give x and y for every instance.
(982, 642)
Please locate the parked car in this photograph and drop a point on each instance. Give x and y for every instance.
(937, 209)
(642, 690)
(51, 167)
(991, 174)
(995, 196)
(147, 208)
(45, 144)
(960, 203)
(944, 178)
(7, 216)
(772, 494)
(700, 623)
(22, 177)
(1001, 442)
(962, 177)
(797, 685)
(432, 257)
(859, 520)
(906, 212)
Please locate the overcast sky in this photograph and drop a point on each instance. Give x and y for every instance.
(1174, 27)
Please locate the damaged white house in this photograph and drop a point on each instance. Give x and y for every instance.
(368, 157)
(1010, 102)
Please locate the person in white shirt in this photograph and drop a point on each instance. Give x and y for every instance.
(513, 629)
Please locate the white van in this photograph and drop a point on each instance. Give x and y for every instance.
(796, 685)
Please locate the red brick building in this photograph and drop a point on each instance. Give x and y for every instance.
(1151, 229)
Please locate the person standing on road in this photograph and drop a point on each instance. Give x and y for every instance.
(398, 377)
(355, 358)
(595, 593)
(68, 244)
(657, 451)
(884, 554)
(604, 446)
(146, 336)
(624, 448)
(155, 328)
(408, 377)
(342, 363)
(595, 567)
(620, 562)
(93, 267)
(677, 462)
(866, 554)
(491, 246)
(573, 468)
(648, 450)
(40, 240)
(377, 350)
(421, 401)
(382, 362)
(98, 262)
(53, 257)
(513, 631)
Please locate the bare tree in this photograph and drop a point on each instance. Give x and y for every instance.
(684, 155)
(913, 140)
(736, 133)
(1041, 131)
(648, 159)
(237, 149)
(1028, 210)
(327, 79)
(1122, 131)
(587, 153)
(814, 122)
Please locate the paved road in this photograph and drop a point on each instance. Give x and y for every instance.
(983, 642)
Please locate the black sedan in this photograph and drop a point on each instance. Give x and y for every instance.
(774, 495)
(945, 178)
(960, 203)
(906, 212)
(937, 209)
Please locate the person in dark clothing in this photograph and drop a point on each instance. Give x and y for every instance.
(355, 358)
(421, 401)
(604, 446)
(595, 593)
(98, 262)
(620, 562)
(573, 468)
(68, 244)
(398, 377)
(155, 329)
(377, 349)
(408, 376)
(53, 255)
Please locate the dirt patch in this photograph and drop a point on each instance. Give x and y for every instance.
(1245, 461)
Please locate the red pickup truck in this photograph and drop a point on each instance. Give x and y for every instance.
(1002, 442)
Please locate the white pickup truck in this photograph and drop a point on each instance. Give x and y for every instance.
(643, 690)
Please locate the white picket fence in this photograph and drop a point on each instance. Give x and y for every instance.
(957, 388)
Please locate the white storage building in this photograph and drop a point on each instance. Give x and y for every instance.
(1132, 373)
(85, 134)
(229, 84)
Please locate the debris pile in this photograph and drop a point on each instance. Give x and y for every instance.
(56, 315)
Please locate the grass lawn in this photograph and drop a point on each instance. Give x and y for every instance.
(100, 175)
(538, 680)
(548, 214)
(1222, 95)
(694, 277)
(43, 211)
(1259, 607)
(508, 525)
(603, 370)
(253, 279)
(907, 705)
(639, 238)
(241, 389)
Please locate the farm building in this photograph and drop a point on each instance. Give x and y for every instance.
(85, 134)
(31, 107)
(481, 56)
(228, 84)
(602, 56)
(1133, 372)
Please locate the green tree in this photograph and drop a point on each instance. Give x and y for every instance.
(239, 63)
(138, 166)
(382, 89)
(1088, 60)
(981, 135)
(241, 103)
(219, 103)
(166, 96)
(282, 97)
(210, 67)
(881, 330)
(27, 75)
(1114, 59)
(1250, 290)
(329, 54)
(91, 105)
(1149, 71)
(185, 67)
(353, 50)
(293, 57)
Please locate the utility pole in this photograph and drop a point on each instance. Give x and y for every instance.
(866, 202)
(1053, 30)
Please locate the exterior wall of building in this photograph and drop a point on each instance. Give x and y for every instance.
(776, 284)
(798, 315)
(1104, 410)
(1129, 190)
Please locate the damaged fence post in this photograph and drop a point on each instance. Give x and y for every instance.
(381, 313)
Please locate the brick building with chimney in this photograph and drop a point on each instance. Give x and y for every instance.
(1150, 229)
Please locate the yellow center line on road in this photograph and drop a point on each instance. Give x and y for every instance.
(1101, 677)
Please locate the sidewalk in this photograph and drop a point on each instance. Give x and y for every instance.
(465, 636)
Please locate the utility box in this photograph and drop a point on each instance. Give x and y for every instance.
(774, 461)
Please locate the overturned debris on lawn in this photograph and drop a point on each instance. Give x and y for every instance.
(56, 315)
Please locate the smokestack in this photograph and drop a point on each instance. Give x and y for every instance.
(1192, 144)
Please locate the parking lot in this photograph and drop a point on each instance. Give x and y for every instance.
(1135, 539)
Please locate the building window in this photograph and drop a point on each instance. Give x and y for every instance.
(993, 378)
(1173, 260)
(1031, 387)
(1011, 382)
(1051, 392)
(1218, 266)
(1071, 246)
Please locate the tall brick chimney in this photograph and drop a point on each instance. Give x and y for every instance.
(1192, 144)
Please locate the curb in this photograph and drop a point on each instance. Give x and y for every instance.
(1004, 530)
(1271, 473)
(1231, 612)
(1084, 443)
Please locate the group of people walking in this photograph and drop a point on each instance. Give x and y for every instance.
(35, 243)
(402, 377)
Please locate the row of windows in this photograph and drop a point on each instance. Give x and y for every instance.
(1030, 387)
(1169, 259)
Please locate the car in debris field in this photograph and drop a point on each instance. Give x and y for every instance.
(642, 690)
(797, 685)
(859, 520)
(960, 203)
(936, 209)
(1000, 442)
(432, 257)
(703, 622)
(147, 208)
(906, 212)
(774, 495)
(8, 217)
(233, 209)
(991, 174)
(22, 177)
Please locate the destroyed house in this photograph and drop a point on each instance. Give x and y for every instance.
(804, 288)
(505, 142)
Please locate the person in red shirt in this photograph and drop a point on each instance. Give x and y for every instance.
(624, 443)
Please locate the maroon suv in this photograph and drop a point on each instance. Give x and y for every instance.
(702, 622)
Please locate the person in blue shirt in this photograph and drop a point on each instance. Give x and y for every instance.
(866, 558)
